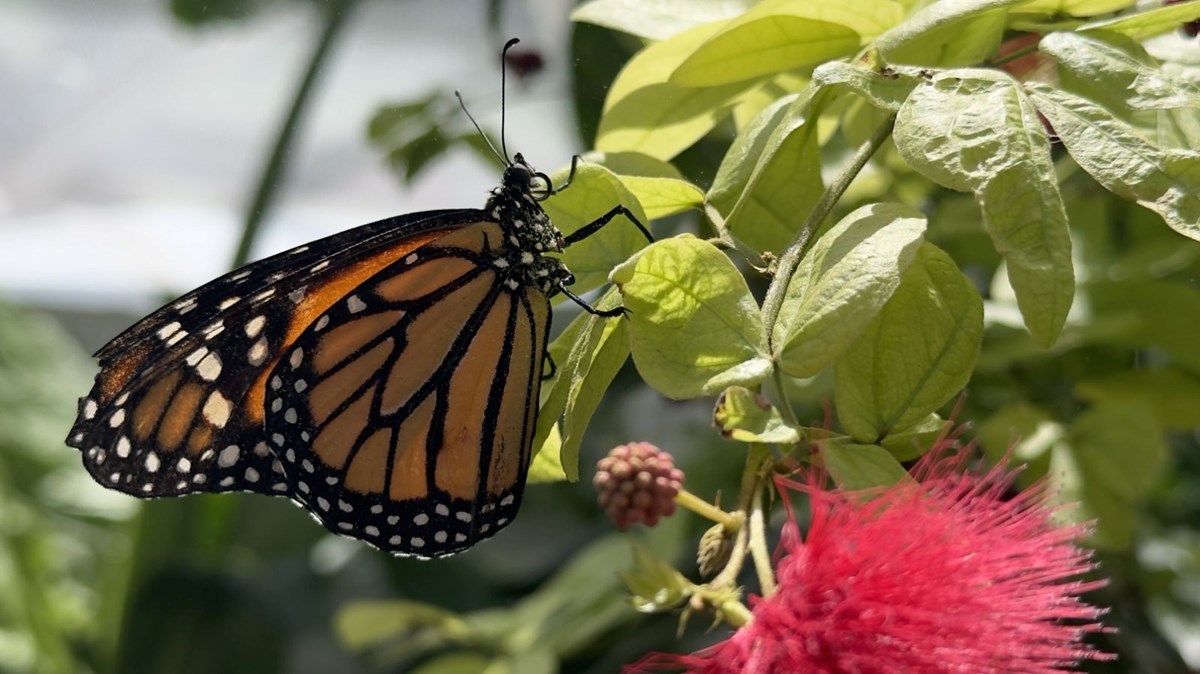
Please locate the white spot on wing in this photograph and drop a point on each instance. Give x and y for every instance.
(228, 456)
(117, 418)
(209, 367)
(89, 409)
(355, 304)
(123, 447)
(255, 325)
(258, 353)
(229, 302)
(216, 409)
(152, 462)
(169, 329)
(296, 358)
(195, 356)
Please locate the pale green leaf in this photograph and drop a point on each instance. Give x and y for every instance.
(842, 283)
(546, 465)
(771, 177)
(779, 35)
(633, 164)
(594, 192)
(915, 355)
(975, 131)
(746, 416)
(1119, 65)
(885, 90)
(695, 329)
(645, 113)
(1167, 181)
(588, 353)
(1172, 394)
(854, 466)
(1072, 7)
(947, 33)
(662, 197)
(1115, 72)
(1147, 24)
(656, 19)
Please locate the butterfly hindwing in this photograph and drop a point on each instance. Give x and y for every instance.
(405, 413)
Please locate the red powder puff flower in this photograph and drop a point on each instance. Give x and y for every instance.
(936, 575)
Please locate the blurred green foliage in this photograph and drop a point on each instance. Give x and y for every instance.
(1109, 410)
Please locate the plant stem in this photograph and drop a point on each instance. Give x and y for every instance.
(705, 509)
(758, 537)
(273, 175)
(757, 460)
(796, 249)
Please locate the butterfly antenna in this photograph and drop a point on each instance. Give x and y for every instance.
(503, 159)
(503, 90)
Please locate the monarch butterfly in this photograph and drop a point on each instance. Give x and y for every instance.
(385, 378)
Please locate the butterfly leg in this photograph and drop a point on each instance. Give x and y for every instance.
(546, 376)
(603, 313)
(595, 225)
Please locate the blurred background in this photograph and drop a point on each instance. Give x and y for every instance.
(141, 139)
(136, 138)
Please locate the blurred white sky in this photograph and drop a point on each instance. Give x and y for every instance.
(129, 145)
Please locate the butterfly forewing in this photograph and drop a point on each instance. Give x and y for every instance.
(178, 406)
(405, 412)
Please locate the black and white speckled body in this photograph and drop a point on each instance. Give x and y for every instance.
(530, 234)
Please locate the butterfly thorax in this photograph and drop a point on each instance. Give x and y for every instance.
(529, 235)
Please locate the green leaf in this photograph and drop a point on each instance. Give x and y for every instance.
(546, 465)
(1072, 7)
(627, 164)
(1116, 72)
(656, 19)
(589, 353)
(595, 192)
(854, 467)
(1029, 432)
(947, 33)
(975, 131)
(645, 113)
(1116, 64)
(771, 176)
(1173, 395)
(1163, 314)
(1147, 24)
(1164, 181)
(662, 197)
(916, 440)
(746, 416)
(780, 35)
(460, 662)
(364, 624)
(655, 586)
(1119, 454)
(842, 283)
(886, 90)
(915, 355)
(695, 329)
